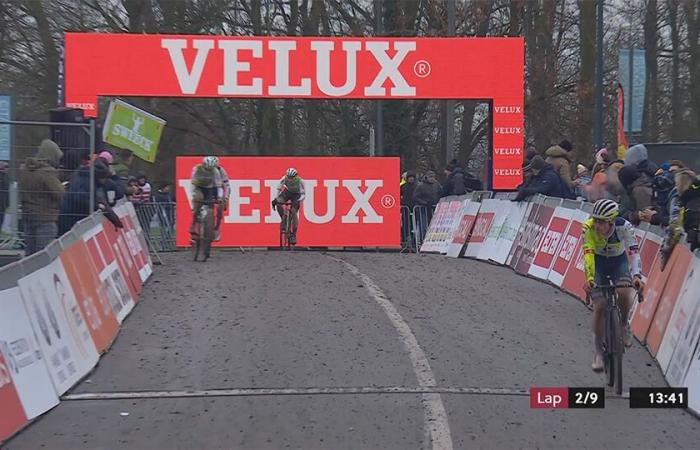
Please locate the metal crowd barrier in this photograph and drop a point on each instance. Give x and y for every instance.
(158, 222)
(406, 229)
(421, 220)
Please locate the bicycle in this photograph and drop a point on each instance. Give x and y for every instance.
(613, 344)
(286, 228)
(204, 231)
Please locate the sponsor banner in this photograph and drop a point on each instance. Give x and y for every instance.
(466, 224)
(575, 277)
(683, 329)
(454, 212)
(692, 380)
(533, 237)
(501, 209)
(680, 262)
(113, 282)
(136, 240)
(121, 251)
(24, 360)
(298, 67)
(350, 201)
(431, 241)
(63, 334)
(643, 314)
(523, 233)
(551, 243)
(567, 251)
(12, 416)
(94, 306)
(129, 127)
(648, 251)
(306, 67)
(516, 213)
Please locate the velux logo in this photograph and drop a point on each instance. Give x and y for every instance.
(361, 191)
(507, 172)
(284, 51)
(507, 109)
(508, 130)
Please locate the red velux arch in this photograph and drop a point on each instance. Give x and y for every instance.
(308, 67)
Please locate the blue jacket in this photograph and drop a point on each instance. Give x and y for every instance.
(547, 182)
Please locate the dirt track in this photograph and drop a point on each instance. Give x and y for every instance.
(294, 322)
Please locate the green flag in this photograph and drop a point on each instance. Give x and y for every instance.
(131, 128)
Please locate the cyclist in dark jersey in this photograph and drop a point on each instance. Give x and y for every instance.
(290, 189)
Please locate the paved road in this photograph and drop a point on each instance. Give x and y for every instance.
(350, 351)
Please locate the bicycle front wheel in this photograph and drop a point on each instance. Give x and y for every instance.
(618, 349)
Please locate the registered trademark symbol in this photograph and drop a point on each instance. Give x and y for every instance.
(422, 68)
(388, 201)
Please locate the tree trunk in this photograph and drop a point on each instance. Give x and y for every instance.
(51, 56)
(691, 14)
(677, 126)
(541, 72)
(650, 118)
(586, 82)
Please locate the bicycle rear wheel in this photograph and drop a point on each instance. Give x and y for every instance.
(287, 229)
(207, 232)
(195, 248)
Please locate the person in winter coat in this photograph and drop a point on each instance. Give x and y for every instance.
(427, 192)
(121, 166)
(637, 157)
(41, 191)
(459, 182)
(561, 160)
(637, 184)
(76, 203)
(407, 189)
(545, 180)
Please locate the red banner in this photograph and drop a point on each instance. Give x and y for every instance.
(12, 416)
(349, 201)
(156, 65)
(534, 232)
(566, 254)
(93, 303)
(549, 247)
(482, 226)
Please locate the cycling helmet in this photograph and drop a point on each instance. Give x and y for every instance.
(291, 172)
(211, 162)
(605, 209)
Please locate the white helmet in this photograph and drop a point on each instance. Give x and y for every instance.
(605, 209)
(211, 162)
(291, 172)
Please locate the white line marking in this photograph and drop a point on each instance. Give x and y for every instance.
(433, 408)
(243, 392)
(251, 392)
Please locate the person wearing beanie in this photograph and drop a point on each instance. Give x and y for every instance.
(637, 157)
(582, 179)
(427, 192)
(41, 191)
(545, 180)
(76, 203)
(561, 159)
(408, 189)
(637, 184)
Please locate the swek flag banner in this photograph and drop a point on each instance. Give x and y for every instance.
(129, 127)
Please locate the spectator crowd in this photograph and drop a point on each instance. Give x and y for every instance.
(667, 195)
(55, 190)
